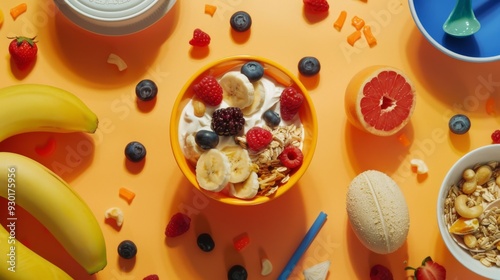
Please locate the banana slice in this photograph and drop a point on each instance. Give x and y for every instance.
(258, 99)
(238, 91)
(191, 150)
(247, 189)
(213, 170)
(241, 164)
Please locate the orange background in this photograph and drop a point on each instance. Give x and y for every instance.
(95, 166)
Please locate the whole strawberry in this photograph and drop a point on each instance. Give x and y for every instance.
(200, 38)
(23, 51)
(178, 224)
(429, 270)
(316, 6)
(290, 101)
(258, 138)
(380, 272)
(209, 91)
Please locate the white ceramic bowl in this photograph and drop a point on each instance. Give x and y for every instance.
(110, 18)
(483, 46)
(479, 155)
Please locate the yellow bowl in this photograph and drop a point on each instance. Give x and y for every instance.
(281, 75)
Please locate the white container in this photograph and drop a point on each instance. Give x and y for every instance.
(114, 17)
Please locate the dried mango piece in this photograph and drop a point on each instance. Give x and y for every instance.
(210, 9)
(126, 194)
(351, 39)
(490, 106)
(357, 22)
(339, 22)
(18, 10)
(370, 39)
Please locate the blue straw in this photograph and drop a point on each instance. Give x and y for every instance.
(306, 241)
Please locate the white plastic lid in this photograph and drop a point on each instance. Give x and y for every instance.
(114, 17)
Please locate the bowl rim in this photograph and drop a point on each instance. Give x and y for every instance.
(184, 165)
(467, 160)
(441, 47)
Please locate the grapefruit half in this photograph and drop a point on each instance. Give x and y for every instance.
(380, 100)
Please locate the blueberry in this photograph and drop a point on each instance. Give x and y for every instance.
(146, 90)
(135, 151)
(309, 66)
(237, 272)
(253, 70)
(459, 124)
(240, 21)
(206, 139)
(205, 242)
(271, 118)
(127, 249)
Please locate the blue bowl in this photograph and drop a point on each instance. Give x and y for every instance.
(483, 46)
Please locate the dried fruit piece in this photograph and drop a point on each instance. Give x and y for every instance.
(339, 22)
(357, 22)
(316, 6)
(370, 39)
(241, 241)
(353, 37)
(210, 9)
(126, 194)
(178, 224)
(403, 139)
(18, 10)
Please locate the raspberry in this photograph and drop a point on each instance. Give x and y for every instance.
(200, 38)
(316, 6)
(380, 272)
(178, 224)
(290, 102)
(291, 157)
(209, 91)
(151, 277)
(258, 138)
(227, 121)
(495, 136)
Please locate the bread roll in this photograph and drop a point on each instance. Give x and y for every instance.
(377, 212)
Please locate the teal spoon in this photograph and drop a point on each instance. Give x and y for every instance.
(462, 21)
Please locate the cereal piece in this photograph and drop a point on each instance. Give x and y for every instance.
(357, 22)
(490, 106)
(351, 39)
(241, 241)
(116, 214)
(267, 267)
(210, 9)
(18, 10)
(403, 139)
(370, 39)
(339, 23)
(419, 165)
(118, 61)
(126, 194)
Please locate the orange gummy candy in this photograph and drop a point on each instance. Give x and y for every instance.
(126, 194)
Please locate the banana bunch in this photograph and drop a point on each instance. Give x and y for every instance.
(46, 196)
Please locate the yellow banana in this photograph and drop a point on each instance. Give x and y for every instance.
(37, 107)
(20, 263)
(53, 202)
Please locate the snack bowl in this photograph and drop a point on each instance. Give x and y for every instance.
(114, 18)
(281, 77)
(483, 46)
(474, 158)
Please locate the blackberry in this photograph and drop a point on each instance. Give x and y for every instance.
(227, 121)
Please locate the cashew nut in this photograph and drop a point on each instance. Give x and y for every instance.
(118, 61)
(470, 184)
(420, 165)
(116, 214)
(466, 211)
(470, 241)
(483, 174)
